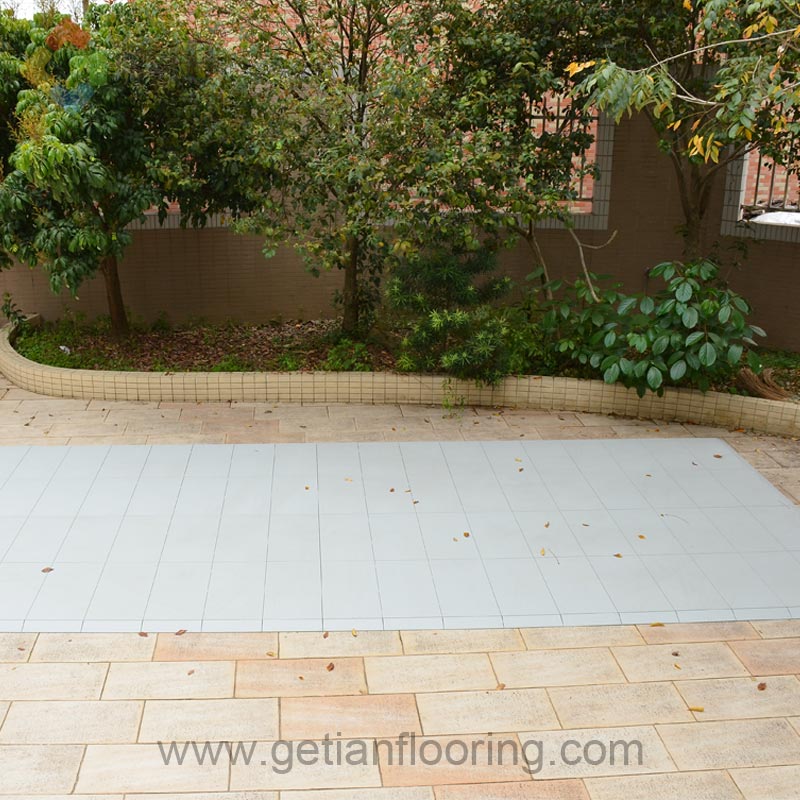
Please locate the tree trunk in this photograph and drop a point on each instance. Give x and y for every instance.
(116, 306)
(350, 292)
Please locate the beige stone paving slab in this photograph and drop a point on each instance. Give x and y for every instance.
(461, 641)
(127, 768)
(200, 796)
(769, 657)
(88, 429)
(228, 720)
(63, 796)
(163, 680)
(45, 441)
(118, 439)
(269, 768)
(494, 711)
(768, 783)
(215, 646)
(523, 790)
(374, 716)
(339, 643)
(778, 628)
(16, 647)
(580, 636)
(254, 437)
(795, 722)
(675, 786)
(84, 647)
(392, 793)
(51, 681)
(733, 743)
(586, 752)
(72, 722)
(39, 769)
(466, 763)
(429, 673)
(308, 677)
(568, 667)
(740, 698)
(658, 662)
(187, 438)
(618, 704)
(688, 632)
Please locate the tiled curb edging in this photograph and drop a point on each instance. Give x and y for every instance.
(530, 391)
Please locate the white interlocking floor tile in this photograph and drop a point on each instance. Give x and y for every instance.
(391, 535)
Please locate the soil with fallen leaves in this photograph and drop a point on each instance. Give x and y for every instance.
(218, 348)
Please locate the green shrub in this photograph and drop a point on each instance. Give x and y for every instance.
(692, 332)
(289, 362)
(348, 356)
(446, 298)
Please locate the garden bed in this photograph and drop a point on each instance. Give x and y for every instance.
(281, 347)
(314, 345)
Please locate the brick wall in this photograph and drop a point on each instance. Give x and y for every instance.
(216, 275)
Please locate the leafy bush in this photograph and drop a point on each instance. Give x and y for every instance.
(289, 362)
(348, 356)
(446, 297)
(693, 332)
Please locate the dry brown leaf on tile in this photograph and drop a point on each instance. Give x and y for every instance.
(717, 455)
(547, 524)
(518, 460)
(325, 635)
(656, 624)
(354, 633)
(543, 551)
(675, 653)
(300, 678)
(190, 672)
(180, 632)
(500, 687)
(466, 534)
(642, 536)
(47, 569)
(391, 491)
(348, 480)
(270, 654)
(330, 667)
(697, 709)
(617, 555)
(677, 666)
(761, 686)
(143, 634)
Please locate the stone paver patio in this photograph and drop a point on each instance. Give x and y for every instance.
(79, 712)
(713, 709)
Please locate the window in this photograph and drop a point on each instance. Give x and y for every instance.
(762, 199)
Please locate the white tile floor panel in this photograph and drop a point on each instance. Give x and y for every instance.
(371, 536)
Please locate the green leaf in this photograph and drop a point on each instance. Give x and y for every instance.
(724, 314)
(735, 353)
(707, 354)
(611, 375)
(754, 362)
(610, 339)
(689, 317)
(660, 344)
(654, 378)
(684, 292)
(677, 370)
(694, 337)
(647, 305)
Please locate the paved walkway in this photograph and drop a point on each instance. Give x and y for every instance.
(390, 536)
(79, 712)
(707, 711)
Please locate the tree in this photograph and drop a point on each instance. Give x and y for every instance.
(317, 71)
(716, 78)
(102, 137)
(79, 172)
(508, 150)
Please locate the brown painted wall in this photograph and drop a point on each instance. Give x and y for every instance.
(216, 275)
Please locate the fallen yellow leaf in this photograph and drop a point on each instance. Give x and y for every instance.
(697, 709)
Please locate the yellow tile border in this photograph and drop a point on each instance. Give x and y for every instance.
(527, 391)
